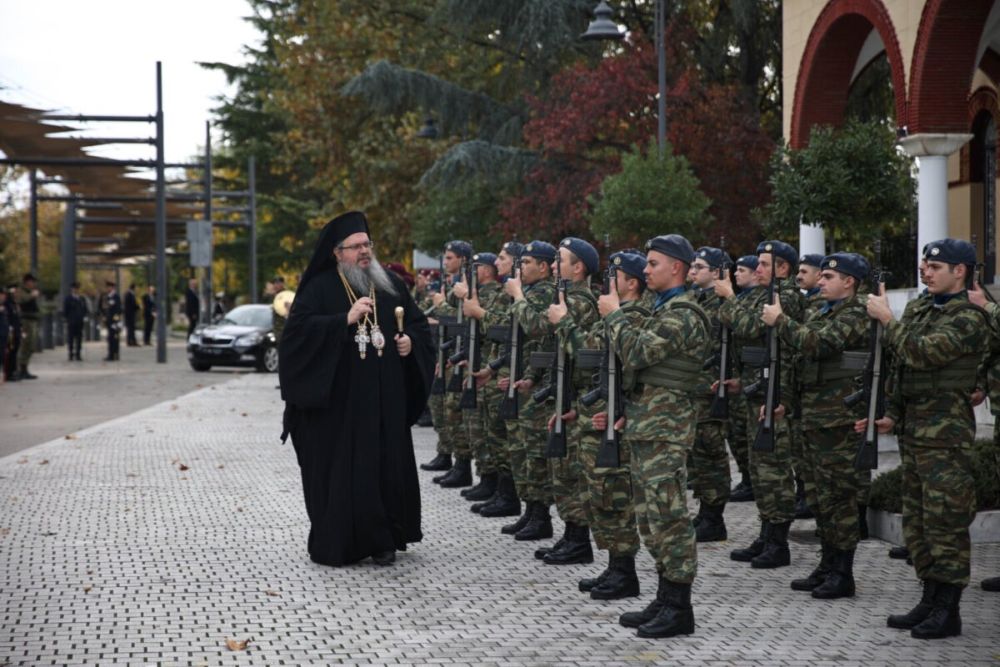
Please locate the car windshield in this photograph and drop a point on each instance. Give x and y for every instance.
(249, 316)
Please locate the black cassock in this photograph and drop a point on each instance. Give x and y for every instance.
(349, 418)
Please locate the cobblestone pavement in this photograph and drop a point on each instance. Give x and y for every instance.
(154, 538)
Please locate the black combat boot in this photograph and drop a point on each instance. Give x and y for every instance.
(439, 462)
(802, 509)
(539, 526)
(817, 576)
(619, 582)
(944, 619)
(26, 374)
(712, 527)
(485, 489)
(575, 549)
(839, 583)
(863, 522)
(742, 492)
(992, 584)
(514, 528)
(899, 553)
(507, 503)
(916, 615)
(425, 418)
(634, 619)
(541, 552)
(588, 584)
(756, 548)
(459, 475)
(775, 552)
(676, 617)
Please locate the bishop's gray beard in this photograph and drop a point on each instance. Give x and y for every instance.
(361, 280)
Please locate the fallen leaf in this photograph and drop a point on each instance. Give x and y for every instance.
(244, 414)
(90, 571)
(4, 532)
(132, 474)
(87, 589)
(220, 466)
(271, 592)
(43, 462)
(239, 509)
(70, 436)
(173, 406)
(22, 460)
(238, 644)
(198, 386)
(175, 462)
(183, 467)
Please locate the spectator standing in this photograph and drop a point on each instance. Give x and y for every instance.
(30, 314)
(148, 314)
(192, 305)
(75, 311)
(131, 311)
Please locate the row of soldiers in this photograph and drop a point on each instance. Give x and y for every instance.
(683, 363)
(19, 317)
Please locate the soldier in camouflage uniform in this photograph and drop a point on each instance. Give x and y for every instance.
(807, 279)
(746, 287)
(773, 484)
(709, 464)
(505, 501)
(936, 349)
(528, 461)
(575, 314)
(666, 353)
(826, 378)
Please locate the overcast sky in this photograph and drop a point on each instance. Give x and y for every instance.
(99, 57)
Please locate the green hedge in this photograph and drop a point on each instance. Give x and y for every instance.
(886, 493)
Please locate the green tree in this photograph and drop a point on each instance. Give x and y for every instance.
(650, 196)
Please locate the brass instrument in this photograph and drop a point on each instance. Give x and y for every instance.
(283, 302)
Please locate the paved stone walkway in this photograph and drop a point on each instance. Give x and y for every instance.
(154, 538)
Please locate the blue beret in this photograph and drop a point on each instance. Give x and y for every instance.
(672, 245)
(812, 260)
(714, 257)
(748, 261)
(950, 251)
(631, 263)
(540, 250)
(779, 249)
(585, 252)
(848, 263)
(462, 248)
(486, 258)
(513, 248)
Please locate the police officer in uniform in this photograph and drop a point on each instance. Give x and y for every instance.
(667, 354)
(936, 348)
(112, 312)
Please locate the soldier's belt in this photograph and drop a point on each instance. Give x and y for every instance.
(754, 357)
(590, 359)
(674, 373)
(541, 359)
(498, 333)
(957, 375)
(849, 364)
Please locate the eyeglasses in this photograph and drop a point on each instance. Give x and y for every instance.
(355, 247)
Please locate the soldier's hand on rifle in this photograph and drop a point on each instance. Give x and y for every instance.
(524, 386)
(513, 288)
(482, 377)
(568, 417)
(471, 308)
(878, 306)
(977, 295)
(461, 290)
(432, 321)
(779, 412)
(609, 303)
(772, 312)
(503, 384)
(724, 287)
(733, 385)
(883, 425)
(438, 298)
(558, 311)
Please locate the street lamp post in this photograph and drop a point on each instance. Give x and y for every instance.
(603, 27)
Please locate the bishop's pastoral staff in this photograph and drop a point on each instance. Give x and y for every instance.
(356, 363)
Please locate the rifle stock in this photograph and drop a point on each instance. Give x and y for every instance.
(771, 376)
(609, 453)
(872, 390)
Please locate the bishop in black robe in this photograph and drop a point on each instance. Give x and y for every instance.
(349, 417)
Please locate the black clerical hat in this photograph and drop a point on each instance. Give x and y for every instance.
(346, 224)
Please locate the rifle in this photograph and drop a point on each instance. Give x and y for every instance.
(720, 400)
(437, 388)
(474, 357)
(609, 453)
(515, 341)
(556, 447)
(770, 373)
(456, 381)
(872, 390)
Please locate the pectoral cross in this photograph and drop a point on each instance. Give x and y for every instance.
(362, 339)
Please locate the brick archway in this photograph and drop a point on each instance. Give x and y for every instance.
(944, 62)
(828, 62)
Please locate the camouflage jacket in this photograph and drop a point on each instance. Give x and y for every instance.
(532, 313)
(819, 344)
(677, 331)
(572, 330)
(496, 303)
(929, 343)
(710, 302)
(990, 373)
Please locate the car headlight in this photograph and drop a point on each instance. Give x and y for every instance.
(194, 339)
(249, 339)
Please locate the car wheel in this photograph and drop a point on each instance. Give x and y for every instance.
(269, 360)
(200, 367)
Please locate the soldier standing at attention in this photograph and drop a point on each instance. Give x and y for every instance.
(746, 287)
(937, 348)
(666, 353)
(530, 305)
(30, 314)
(805, 490)
(75, 311)
(112, 311)
(829, 442)
(773, 484)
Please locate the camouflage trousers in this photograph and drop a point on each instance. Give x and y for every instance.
(527, 452)
(568, 480)
(607, 495)
(738, 431)
(828, 461)
(709, 464)
(457, 433)
(436, 404)
(801, 464)
(659, 481)
(771, 472)
(29, 342)
(487, 432)
(939, 504)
